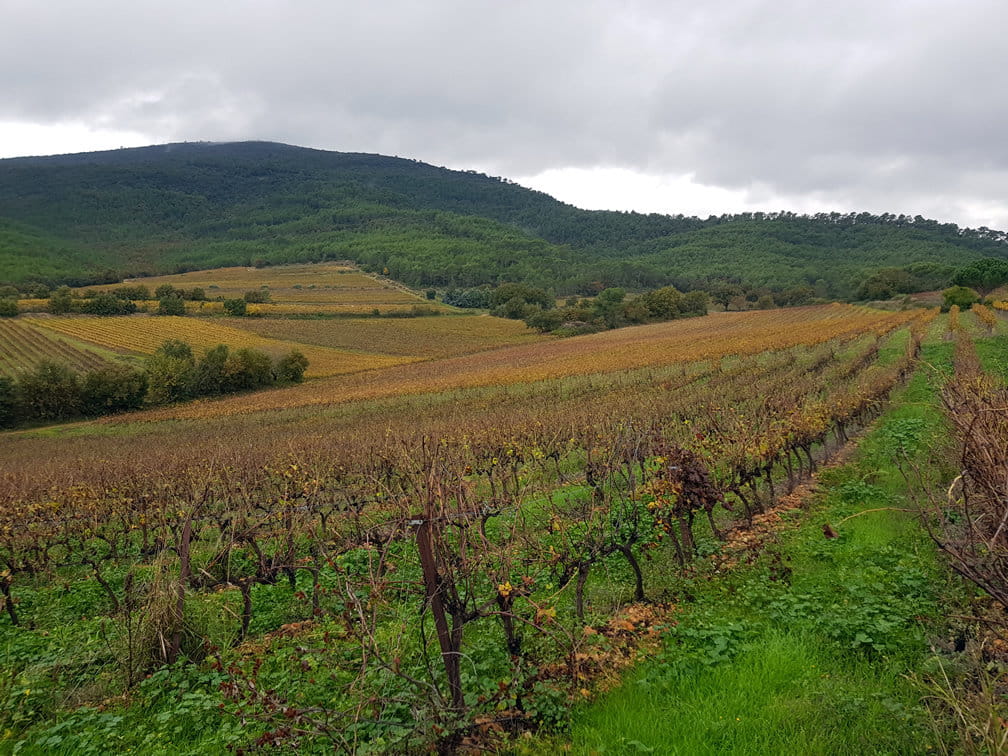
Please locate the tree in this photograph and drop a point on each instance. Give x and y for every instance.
(247, 369)
(171, 305)
(60, 301)
(170, 372)
(291, 367)
(8, 402)
(959, 295)
(49, 392)
(8, 308)
(236, 308)
(545, 320)
(108, 304)
(664, 303)
(257, 296)
(983, 275)
(209, 375)
(115, 388)
(724, 293)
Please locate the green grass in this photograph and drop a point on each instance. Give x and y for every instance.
(806, 650)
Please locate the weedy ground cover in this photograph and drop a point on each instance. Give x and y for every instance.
(807, 648)
(299, 564)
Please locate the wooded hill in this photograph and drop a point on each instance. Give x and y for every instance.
(96, 217)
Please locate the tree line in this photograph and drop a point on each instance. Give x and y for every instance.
(53, 391)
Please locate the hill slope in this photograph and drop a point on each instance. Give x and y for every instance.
(98, 216)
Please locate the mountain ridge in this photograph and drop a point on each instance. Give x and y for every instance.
(188, 205)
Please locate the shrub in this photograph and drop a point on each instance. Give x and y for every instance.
(61, 301)
(236, 308)
(170, 372)
(257, 296)
(291, 368)
(49, 392)
(8, 308)
(209, 375)
(107, 304)
(8, 402)
(247, 369)
(960, 296)
(171, 305)
(115, 388)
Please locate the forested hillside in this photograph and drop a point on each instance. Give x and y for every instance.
(101, 216)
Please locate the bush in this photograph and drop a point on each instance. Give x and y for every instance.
(49, 392)
(257, 296)
(61, 301)
(247, 369)
(208, 376)
(107, 304)
(115, 388)
(236, 308)
(469, 298)
(8, 308)
(133, 292)
(959, 295)
(291, 368)
(170, 372)
(171, 305)
(8, 402)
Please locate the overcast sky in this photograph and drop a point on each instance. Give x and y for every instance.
(692, 107)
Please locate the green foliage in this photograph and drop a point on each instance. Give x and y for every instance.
(983, 275)
(170, 372)
(613, 309)
(139, 291)
(209, 375)
(116, 388)
(291, 367)
(188, 206)
(247, 369)
(171, 305)
(8, 402)
(256, 295)
(236, 308)
(61, 301)
(51, 391)
(8, 308)
(107, 304)
(889, 282)
(479, 298)
(959, 295)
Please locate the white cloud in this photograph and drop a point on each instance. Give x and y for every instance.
(19, 138)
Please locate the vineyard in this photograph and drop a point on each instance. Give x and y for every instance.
(23, 346)
(610, 353)
(439, 555)
(143, 335)
(294, 284)
(416, 337)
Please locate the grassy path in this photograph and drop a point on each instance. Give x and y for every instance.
(806, 649)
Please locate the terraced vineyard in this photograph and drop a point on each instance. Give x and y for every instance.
(23, 345)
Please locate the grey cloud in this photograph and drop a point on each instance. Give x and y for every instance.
(859, 102)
